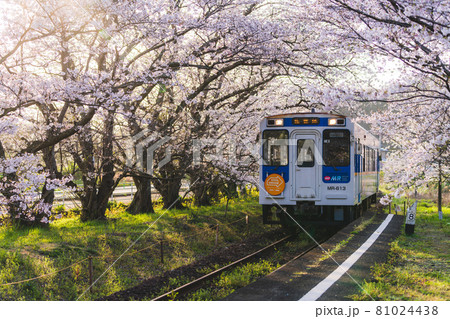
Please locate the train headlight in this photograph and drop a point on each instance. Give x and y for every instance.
(275, 122)
(336, 122)
(279, 122)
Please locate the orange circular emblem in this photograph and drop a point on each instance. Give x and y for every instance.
(274, 184)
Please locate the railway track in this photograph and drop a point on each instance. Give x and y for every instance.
(200, 282)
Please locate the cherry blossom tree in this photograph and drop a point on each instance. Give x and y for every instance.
(416, 119)
(94, 80)
(34, 105)
(240, 63)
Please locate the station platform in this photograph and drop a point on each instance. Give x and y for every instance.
(314, 277)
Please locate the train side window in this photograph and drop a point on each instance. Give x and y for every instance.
(364, 158)
(336, 147)
(275, 147)
(305, 152)
(374, 160)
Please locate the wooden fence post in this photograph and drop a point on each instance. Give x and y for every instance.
(91, 273)
(246, 224)
(161, 246)
(217, 235)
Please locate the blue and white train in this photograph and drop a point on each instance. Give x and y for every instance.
(318, 167)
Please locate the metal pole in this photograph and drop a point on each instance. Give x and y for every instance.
(91, 273)
(389, 208)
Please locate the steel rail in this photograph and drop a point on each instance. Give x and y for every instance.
(199, 281)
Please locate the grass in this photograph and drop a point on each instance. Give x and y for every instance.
(188, 234)
(418, 266)
(417, 269)
(243, 275)
(239, 277)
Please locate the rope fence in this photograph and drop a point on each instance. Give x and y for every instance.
(44, 275)
(160, 243)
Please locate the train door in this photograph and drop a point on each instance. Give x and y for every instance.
(358, 170)
(305, 168)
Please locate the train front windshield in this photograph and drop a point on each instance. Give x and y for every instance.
(275, 147)
(336, 147)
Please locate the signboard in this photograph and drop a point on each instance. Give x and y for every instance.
(411, 219)
(411, 215)
(274, 184)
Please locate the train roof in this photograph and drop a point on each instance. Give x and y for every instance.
(360, 132)
(320, 114)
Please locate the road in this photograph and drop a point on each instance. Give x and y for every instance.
(123, 194)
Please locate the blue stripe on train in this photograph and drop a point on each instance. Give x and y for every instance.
(281, 170)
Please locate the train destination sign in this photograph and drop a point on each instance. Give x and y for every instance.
(274, 184)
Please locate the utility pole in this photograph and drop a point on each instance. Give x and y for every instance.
(440, 190)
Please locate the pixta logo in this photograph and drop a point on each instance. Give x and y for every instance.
(147, 143)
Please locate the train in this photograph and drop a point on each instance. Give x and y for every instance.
(320, 168)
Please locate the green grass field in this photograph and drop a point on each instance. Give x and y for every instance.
(418, 266)
(188, 235)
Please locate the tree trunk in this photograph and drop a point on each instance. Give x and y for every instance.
(440, 191)
(107, 183)
(48, 195)
(206, 188)
(89, 210)
(169, 191)
(95, 199)
(243, 190)
(96, 195)
(201, 197)
(142, 199)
